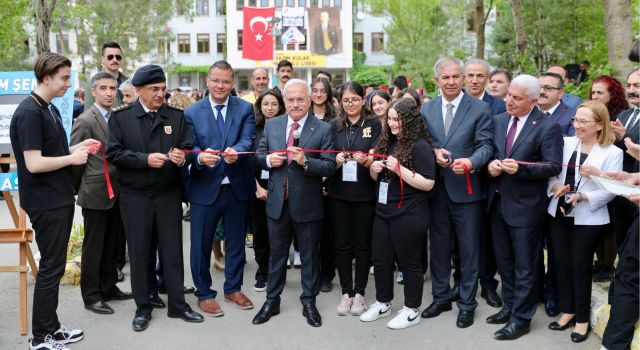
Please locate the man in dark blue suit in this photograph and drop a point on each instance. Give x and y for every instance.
(476, 77)
(220, 186)
(517, 200)
(567, 98)
(461, 129)
(294, 199)
(550, 102)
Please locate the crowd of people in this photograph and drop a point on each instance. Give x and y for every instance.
(477, 181)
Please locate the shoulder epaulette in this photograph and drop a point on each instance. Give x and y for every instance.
(174, 107)
(121, 108)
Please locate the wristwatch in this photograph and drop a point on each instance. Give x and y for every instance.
(305, 165)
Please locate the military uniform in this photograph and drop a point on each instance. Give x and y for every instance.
(150, 198)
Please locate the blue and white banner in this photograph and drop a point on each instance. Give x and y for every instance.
(8, 181)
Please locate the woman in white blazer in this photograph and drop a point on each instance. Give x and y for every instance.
(578, 210)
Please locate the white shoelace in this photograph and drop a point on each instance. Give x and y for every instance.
(54, 344)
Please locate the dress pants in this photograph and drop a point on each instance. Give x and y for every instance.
(204, 220)
(327, 250)
(145, 217)
(623, 212)
(352, 224)
(488, 266)
(260, 238)
(573, 248)
(281, 233)
(98, 276)
(52, 229)
(517, 254)
(623, 294)
(548, 277)
(400, 240)
(465, 221)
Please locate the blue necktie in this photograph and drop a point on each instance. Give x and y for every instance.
(220, 123)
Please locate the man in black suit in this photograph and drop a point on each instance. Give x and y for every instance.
(461, 128)
(325, 36)
(476, 77)
(294, 200)
(517, 200)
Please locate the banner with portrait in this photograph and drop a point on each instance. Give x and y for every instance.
(326, 30)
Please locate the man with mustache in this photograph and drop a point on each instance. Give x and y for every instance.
(111, 63)
(284, 72)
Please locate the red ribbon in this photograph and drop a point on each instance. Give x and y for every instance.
(466, 174)
(106, 173)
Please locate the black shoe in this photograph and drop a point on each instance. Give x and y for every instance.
(455, 294)
(604, 275)
(156, 302)
(555, 326)
(188, 290)
(120, 275)
(501, 317)
(268, 310)
(326, 286)
(187, 316)
(511, 331)
(99, 308)
(141, 322)
(436, 309)
(465, 318)
(491, 297)
(117, 294)
(551, 308)
(579, 338)
(313, 316)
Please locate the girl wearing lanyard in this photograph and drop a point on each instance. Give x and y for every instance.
(579, 213)
(267, 106)
(352, 197)
(402, 211)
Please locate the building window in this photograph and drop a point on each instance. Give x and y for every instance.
(264, 3)
(253, 3)
(239, 5)
(278, 3)
(220, 7)
(314, 3)
(337, 3)
(358, 41)
(377, 42)
(202, 7)
(291, 3)
(221, 42)
(240, 40)
(163, 47)
(302, 3)
(184, 43)
(326, 3)
(62, 43)
(203, 43)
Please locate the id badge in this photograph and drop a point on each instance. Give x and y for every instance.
(264, 175)
(350, 171)
(382, 194)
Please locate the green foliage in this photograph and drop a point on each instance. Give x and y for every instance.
(188, 69)
(13, 35)
(369, 75)
(75, 241)
(582, 90)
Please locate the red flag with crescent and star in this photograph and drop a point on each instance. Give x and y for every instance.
(257, 39)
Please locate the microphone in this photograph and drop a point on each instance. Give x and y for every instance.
(296, 138)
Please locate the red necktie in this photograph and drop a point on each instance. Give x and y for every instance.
(294, 127)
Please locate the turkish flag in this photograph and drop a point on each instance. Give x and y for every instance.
(257, 39)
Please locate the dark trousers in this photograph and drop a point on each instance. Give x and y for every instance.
(121, 253)
(146, 217)
(204, 220)
(548, 277)
(623, 212)
(488, 267)
(98, 271)
(352, 224)
(327, 250)
(260, 238)
(399, 240)
(573, 248)
(52, 229)
(624, 295)
(464, 220)
(281, 234)
(517, 254)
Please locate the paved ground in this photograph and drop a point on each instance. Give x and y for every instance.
(288, 330)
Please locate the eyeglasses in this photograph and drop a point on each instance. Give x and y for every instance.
(550, 88)
(217, 82)
(117, 57)
(581, 122)
(353, 101)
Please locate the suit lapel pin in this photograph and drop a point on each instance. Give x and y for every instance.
(534, 122)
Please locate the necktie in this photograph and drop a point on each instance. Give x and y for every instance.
(106, 116)
(511, 136)
(220, 120)
(448, 118)
(326, 42)
(632, 119)
(152, 116)
(547, 114)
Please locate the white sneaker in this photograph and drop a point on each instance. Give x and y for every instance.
(48, 344)
(344, 307)
(65, 335)
(376, 311)
(296, 260)
(406, 317)
(371, 270)
(358, 307)
(400, 278)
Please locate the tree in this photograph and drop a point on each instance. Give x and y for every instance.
(519, 27)
(617, 21)
(43, 19)
(480, 19)
(13, 37)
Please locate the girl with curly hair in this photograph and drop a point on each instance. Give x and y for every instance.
(402, 213)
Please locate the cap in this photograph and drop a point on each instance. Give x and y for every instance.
(149, 74)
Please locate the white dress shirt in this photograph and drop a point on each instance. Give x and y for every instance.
(456, 102)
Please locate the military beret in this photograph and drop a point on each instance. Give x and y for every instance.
(149, 74)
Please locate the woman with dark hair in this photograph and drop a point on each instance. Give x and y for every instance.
(378, 104)
(351, 195)
(322, 99)
(268, 105)
(414, 94)
(608, 91)
(402, 213)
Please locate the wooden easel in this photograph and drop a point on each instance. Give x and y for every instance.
(22, 235)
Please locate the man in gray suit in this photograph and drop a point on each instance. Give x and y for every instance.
(294, 199)
(102, 223)
(461, 128)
